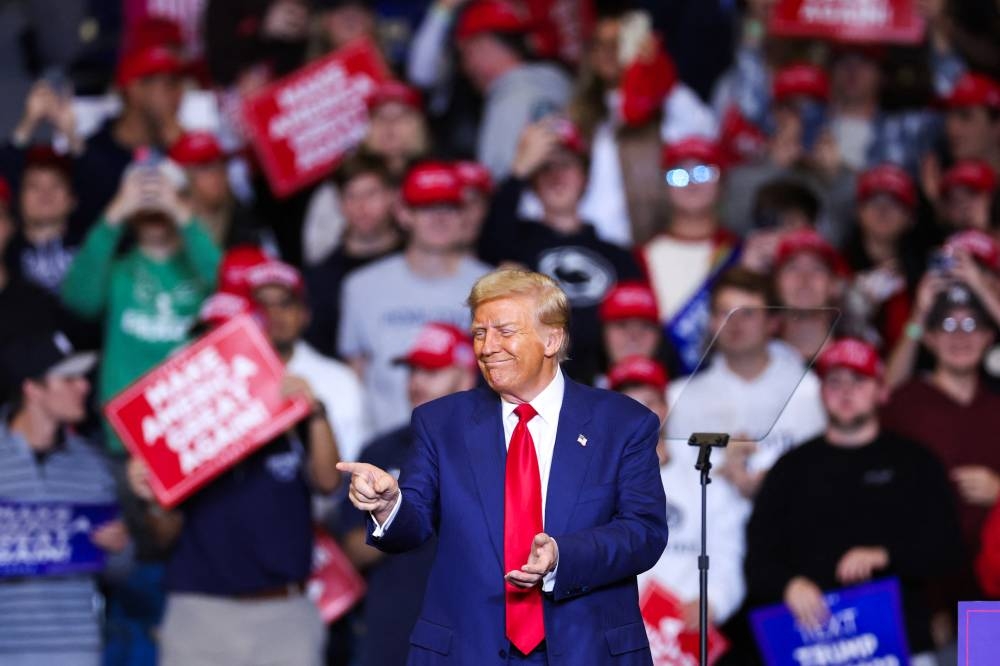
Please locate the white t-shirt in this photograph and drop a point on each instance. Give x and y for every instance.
(718, 400)
(677, 569)
(338, 388)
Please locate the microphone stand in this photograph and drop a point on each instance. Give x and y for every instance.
(705, 441)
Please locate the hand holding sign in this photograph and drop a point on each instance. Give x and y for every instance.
(372, 489)
(805, 600)
(137, 475)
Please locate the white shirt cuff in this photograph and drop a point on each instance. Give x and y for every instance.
(380, 529)
(549, 580)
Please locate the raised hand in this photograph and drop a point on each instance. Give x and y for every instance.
(543, 558)
(372, 489)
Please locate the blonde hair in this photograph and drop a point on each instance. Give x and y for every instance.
(553, 305)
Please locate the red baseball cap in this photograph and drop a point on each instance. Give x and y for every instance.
(440, 345)
(637, 370)
(196, 149)
(694, 149)
(853, 354)
(148, 61)
(474, 175)
(276, 273)
(45, 157)
(485, 16)
(979, 245)
(431, 183)
(974, 90)
(395, 91)
(973, 174)
(154, 31)
(234, 267)
(807, 240)
(221, 306)
(801, 80)
(629, 300)
(888, 179)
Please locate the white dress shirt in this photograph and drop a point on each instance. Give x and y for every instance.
(543, 429)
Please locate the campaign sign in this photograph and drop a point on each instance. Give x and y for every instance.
(50, 538)
(205, 409)
(669, 642)
(334, 585)
(303, 124)
(875, 21)
(865, 629)
(978, 633)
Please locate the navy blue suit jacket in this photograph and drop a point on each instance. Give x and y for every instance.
(605, 508)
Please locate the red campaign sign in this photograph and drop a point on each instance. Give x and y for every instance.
(334, 585)
(879, 21)
(206, 408)
(670, 644)
(302, 125)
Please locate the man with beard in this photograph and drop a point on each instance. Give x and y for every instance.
(851, 505)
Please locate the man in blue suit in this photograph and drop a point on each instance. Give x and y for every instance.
(545, 496)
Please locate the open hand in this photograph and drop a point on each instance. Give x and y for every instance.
(372, 489)
(543, 558)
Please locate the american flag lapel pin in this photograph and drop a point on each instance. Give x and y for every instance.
(582, 440)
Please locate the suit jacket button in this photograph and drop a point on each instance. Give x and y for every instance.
(502, 654)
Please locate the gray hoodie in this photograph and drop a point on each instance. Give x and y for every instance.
(521, 96)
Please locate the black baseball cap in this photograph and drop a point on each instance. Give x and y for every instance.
(957, 295)
(49, 354)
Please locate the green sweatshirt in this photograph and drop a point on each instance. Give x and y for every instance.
(148, 306)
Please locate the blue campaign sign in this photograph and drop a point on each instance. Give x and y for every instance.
(50, 538)
(865, 629)
(978, 633)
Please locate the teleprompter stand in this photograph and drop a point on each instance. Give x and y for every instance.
(705, 441)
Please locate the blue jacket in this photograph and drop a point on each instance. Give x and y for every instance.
(605, 508)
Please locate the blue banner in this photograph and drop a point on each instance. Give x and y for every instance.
(50, 538)
(865, 628)
(689, 325)
(978, 633)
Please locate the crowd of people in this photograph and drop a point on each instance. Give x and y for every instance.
(795, 241)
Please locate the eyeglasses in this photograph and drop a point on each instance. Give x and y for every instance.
(699, 175)
(966, 325)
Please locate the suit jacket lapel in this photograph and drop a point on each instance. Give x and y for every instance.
(569, 460)
(484, 442)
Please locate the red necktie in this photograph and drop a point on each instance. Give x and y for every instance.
(522, 521)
